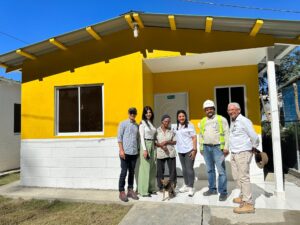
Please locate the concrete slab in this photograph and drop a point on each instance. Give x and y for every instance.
(263, 195)
(224, 215)
(161, 213)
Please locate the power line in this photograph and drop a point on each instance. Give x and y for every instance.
(241, 6)
(13, 37)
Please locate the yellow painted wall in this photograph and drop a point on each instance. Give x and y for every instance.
(148, 99)
(122, 79)
(200, 86)
(116, 61)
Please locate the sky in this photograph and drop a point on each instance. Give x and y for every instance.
(25, 22)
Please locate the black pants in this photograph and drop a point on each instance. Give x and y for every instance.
(161, 170)
(127, 164)
(187, 168)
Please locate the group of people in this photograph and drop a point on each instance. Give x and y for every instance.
(156, 147)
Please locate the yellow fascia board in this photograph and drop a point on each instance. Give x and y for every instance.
(58, 44)
(26, 54)
(138, 20)
(3, 65)
(208, 24)
(129, 20)
(93, 33)
(172, 22)
(258, 24)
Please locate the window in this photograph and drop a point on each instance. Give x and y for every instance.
(17, 118)
(79, 109)
(225, 95)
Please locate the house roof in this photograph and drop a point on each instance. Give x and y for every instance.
(278, 28)
(9, 80)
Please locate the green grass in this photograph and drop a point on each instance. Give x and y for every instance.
(43, 212)
(9, 178)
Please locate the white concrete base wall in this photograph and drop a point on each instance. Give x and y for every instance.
(9, 141)
(84, 163)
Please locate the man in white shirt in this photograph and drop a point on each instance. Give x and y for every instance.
(242, 141)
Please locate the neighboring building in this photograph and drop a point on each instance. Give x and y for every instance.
(77, 87)
(10, 124)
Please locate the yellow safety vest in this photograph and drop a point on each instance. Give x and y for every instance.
(222, 136)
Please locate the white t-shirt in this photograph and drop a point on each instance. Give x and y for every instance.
(184, 141)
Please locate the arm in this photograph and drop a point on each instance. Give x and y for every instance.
(194, 150)
(121, 131)
(226, 136)
(251, 133)
(142, 137)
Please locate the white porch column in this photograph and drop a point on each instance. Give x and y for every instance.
(276, 143)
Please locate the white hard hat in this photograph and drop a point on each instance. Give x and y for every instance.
(208, 103)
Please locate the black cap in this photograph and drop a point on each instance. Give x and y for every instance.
(132, 110)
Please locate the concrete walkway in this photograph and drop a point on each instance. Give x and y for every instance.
(182, 209)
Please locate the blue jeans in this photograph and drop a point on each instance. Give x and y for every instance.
(213, 156)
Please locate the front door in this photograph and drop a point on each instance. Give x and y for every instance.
(169, 104)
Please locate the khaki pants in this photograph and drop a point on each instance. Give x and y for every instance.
(240, 165)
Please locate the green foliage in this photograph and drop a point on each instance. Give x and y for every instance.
(289, 67)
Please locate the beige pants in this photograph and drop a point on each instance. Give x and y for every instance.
(240, 165)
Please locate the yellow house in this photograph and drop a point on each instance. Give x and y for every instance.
(77, 87)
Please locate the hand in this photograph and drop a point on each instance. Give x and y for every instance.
(145, 154)
(225, 152)
(165, 149)
(192, 155)
(163, 143)
(122, 154)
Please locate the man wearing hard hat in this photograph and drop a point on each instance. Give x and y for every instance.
(213, 138)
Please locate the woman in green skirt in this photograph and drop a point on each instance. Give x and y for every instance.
(147, 168)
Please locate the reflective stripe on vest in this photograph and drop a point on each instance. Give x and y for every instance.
(222, 136)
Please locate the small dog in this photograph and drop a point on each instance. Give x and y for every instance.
(169, 187)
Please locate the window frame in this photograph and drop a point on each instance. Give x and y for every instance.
(229, 87)
(56, 102)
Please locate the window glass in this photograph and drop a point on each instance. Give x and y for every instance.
(17, 118)
(91, 109)
(68, 110)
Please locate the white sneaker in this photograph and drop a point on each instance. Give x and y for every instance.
(183, 189)
(191, 191)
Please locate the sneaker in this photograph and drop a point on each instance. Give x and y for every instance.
(244, 208)
(222, 197)
(209, 193)
(132, 194)
(237, 200)
(191, 191)
(123, 197)
(183, 189)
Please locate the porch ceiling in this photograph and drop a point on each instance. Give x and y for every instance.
(208, 60)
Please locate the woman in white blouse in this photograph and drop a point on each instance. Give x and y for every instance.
(186, 146)
(147, 168)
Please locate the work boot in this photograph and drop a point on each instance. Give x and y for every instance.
(123, 196)
(132, 194)
(244, 208)
(237, 200)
